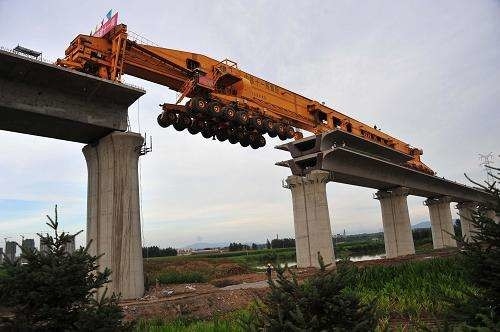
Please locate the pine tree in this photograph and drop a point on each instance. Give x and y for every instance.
(319, 304)
(482, 261)
(56, 291)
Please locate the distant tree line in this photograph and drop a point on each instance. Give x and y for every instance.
(155, 251)
(283, 243)
(233, 246)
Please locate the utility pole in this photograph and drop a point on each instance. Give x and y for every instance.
(485, 161)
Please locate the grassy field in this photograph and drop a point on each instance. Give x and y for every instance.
(413, 288)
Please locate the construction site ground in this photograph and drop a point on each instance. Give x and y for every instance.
(206, 300)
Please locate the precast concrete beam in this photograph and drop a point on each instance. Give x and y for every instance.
(113, 218)
(441, 222)
(465, 210)
(313, 233)
(357, 168)
(43, 99)
(398, 238)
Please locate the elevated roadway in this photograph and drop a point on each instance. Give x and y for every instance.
(358, 162)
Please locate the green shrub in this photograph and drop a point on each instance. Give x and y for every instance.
(319, 304)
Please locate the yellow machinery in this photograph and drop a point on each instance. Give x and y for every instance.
(225, 102)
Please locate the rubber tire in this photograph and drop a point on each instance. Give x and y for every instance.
(198, 104)
(269, 126)
(243, 138)
(162, 121)
(215, 109)
(207, 133)
(290, 132)
(242, 118)
(228, 113)
(280, 129)
(257, 123)
(221, 135)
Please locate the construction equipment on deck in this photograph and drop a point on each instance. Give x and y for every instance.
(225, 102)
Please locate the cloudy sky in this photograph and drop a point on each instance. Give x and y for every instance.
(427, 72)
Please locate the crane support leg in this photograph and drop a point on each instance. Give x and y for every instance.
(113, 217)
(313, 234)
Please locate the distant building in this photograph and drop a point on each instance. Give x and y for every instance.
(70, 246)
(10, 250)
(43, 247)
(29, 243)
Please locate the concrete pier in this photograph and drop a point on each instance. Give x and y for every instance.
(465, 211)
(441, 223)
(113, 218)
(396, 221)
(311, 218)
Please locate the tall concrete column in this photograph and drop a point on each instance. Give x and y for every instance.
(441, 223)
(113, 218)
(398, 237)
(311, 218)
(465, 212)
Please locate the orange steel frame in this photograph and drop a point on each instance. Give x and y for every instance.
(113, 55)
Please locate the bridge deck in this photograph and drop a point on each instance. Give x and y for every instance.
(43, 99)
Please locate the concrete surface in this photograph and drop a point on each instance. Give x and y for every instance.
(465, 212)
(398, 237)
(352, 167)
(42, 99)
(113, 216)
(441, 222)
(311, 218)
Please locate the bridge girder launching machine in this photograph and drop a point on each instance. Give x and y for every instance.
(225, 102)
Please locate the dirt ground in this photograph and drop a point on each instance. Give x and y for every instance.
(204, 300)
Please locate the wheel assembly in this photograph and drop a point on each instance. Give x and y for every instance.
(183, 122)
(222, 134)
(228, 113)
(213, 119)
(270, 127)
(243, 137)
(198, 104)
(215, 109)
(162, 121)
(257, 124)
(208, 132)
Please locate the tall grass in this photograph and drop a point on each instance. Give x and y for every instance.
(230, 323)
(412, 288)
(214, 325)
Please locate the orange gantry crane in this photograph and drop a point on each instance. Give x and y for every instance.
(225, 102)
